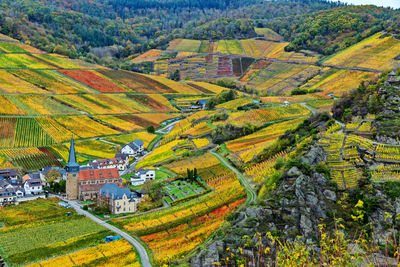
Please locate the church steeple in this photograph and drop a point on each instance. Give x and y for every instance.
(72, 165)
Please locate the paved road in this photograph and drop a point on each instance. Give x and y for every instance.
(140, 249)
(168, 128)
(308, 107)
(164, 131)
(250, 192)
(133, 165)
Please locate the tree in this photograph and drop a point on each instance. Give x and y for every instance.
(347, 115)
(52, 176)
(175, 76)
(189, 174)
(151, 129)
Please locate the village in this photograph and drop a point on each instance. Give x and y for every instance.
(97, 182)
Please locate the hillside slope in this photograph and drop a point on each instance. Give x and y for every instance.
(47, 98)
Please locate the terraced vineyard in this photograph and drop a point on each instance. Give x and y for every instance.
(349, 154)
(47, 98)
(264, 65)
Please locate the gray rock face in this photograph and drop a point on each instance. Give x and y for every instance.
(294, 171)
(330, 195)
(209, 256)
(314, 156)
(306, 225)
(397, 206)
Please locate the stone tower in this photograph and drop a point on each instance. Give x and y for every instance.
(72, 169)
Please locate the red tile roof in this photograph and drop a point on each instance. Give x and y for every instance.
(98, 174)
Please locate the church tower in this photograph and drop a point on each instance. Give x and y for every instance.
(72, 169)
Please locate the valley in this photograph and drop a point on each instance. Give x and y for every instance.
(169, 133)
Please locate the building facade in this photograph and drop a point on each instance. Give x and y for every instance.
(33, 187)
(133, 148)
(7, 197)
(120, 200)
(117, 162)
(91, 181)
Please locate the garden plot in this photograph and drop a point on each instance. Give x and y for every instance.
(179, 189)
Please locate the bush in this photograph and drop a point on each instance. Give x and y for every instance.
(324, 169)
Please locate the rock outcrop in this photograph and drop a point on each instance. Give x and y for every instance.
(296, 207)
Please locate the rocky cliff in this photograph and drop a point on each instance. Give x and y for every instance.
(305, 199)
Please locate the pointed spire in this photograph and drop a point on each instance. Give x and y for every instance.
(72, 157)
(72, 165)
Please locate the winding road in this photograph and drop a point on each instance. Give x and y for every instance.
(250, 192)
(144, 258)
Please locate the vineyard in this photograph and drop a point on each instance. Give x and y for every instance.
(116, 253)
(250, 145)
(151, 55)
(46, 231)
(207, 166)
(47, 98)
(349, 154)
(261, 116)
(280, 77)
(376, 52)
(171, 233)
(337, 82)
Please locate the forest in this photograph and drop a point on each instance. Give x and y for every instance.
(105, 32)
(102, 32)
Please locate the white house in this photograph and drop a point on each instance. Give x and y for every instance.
(141, 176)
(133, 148)
(33, 187)
(7, 196)
(5, 184)
(148, 174)
(19, 192)
(8, 188)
